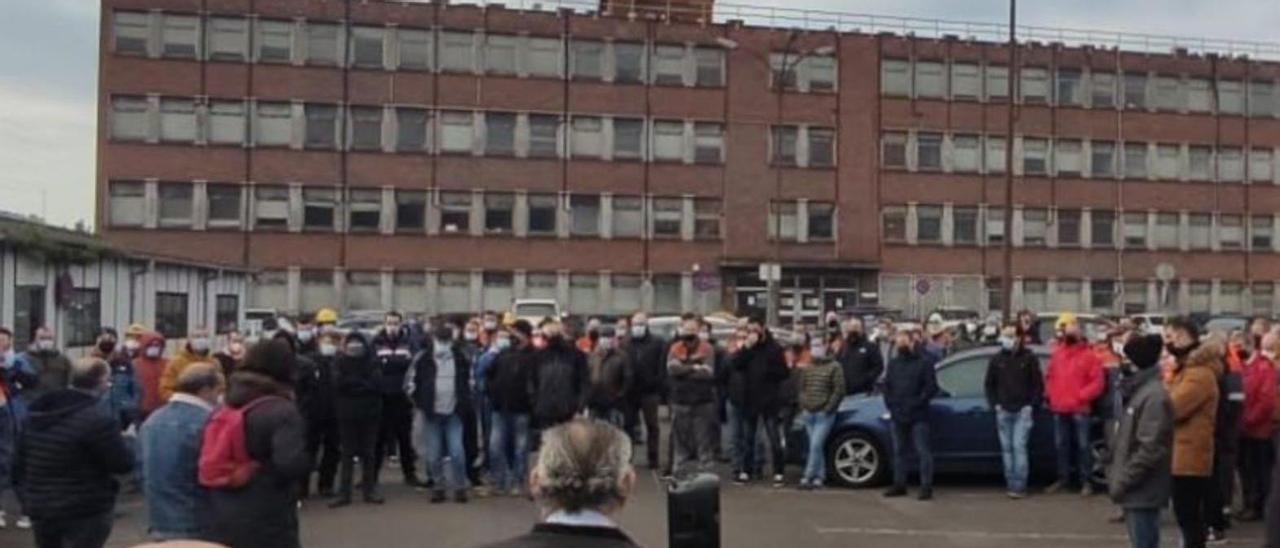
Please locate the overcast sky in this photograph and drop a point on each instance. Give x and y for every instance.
(48, 73)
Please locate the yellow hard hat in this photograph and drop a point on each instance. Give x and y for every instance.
(1064, 319)
(326, 315)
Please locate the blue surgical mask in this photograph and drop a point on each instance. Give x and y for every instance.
(1008, 343)
(502, 343)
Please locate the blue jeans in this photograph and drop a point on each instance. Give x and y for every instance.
(1144, 527)
(918, 433)
(508, 449)
(817, 426)
(1066, 427)
(444, 436)
(1014, 427)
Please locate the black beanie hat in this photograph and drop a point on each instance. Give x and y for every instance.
(1144, 351)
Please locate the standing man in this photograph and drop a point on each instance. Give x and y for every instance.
(763, 364)
(122, 398)
(909, 385)
(690, 366)
(392, 354)
(149, 366)
(14, 374)
(507, 381)
(860, 359)
(560, 378)
(1075, 378)
(439, 382)
(170, 444)
(358, 409)
(1256, 451)
(610, 378)
(68, 459)
(1193, 390)
(1014, 387)
(51, 366)
(646, 353)
(196, 350)
(1139, 475)
(821, 390)
(316, 395)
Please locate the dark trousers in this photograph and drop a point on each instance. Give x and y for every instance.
(358, 434)
(645, 406)
(322, 444)
(397, 428)
(693, 435)
(1273, 498)
(752, 421)
(1189, 493)
(1256, 460)
(1221, 489)
(84, 532)
(915, 434)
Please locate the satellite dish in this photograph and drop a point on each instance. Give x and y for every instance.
(1165, 272)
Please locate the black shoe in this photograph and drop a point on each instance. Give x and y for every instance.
(460, 496)
(894, 492)
(373, 498)
(437, 496)
(340, 502)
(926, 493)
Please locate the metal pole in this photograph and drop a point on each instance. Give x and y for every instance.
(1006, 279)
(772, 316)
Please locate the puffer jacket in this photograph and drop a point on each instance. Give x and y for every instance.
(821, 385)
(1138, 474)
(559, 382)
(910, 384)
(1074, 378)
(1193, 390)
(1259, 398)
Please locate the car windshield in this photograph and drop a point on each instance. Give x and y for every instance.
(535, 310)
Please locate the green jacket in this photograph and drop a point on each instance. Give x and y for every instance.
(821, 386)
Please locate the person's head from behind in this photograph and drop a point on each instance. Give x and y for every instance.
(90, 375)
(1143, 351)
(583, 465)
(200, 380)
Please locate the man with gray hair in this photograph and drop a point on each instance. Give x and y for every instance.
(170, 444)
(582, 479)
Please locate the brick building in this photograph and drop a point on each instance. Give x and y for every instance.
(451, 157)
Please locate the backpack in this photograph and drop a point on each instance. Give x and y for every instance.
(224, 455)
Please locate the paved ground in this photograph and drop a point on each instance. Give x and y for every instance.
(966, 513)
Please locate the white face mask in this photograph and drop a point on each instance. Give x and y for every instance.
(200, 346)
(131, 345)
(328, 349)
(818, 351)
(605, 343)
(154, 351)
(490, 325)
(470, 335)
(44, 344)
(502, 343)
(305, 336)
(639, 331)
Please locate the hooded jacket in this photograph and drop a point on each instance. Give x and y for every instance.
(764, 367)
(68, 456)
(53, 370)
(559, 382)
(1193, 390)
(1138, 475)
(148, 372)
(1074, 378)
(507, 380)
(357, 381)
(1259, 398)
(180, 361)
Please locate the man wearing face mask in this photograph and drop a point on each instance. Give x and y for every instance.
(587, 342)
(494, 343)
(231, 354)
(1074, 380)
(197, 350)
(1193, 391)
(909, 385)
(489, 327)
(610, 378)
(646, 353)
(358, 408)
(762, 362)
(122, 399)
(560, 378)
(1256, 451)
(315, 390)
(860, 359)
(51, 366)
(148, 366)
(439, 381)
(691, 368)
(507, 383)
(1014, 387)
(392, 354)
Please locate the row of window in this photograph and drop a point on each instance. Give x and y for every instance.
(313, 208)
(926, 151)
(1078, 87)
(953, 225)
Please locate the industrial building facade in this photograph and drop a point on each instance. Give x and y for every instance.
(447, 158)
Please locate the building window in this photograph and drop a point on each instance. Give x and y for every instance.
(628, 139)
(1230, 97)
(498, 290)
(669, 65)
(1230, 232)
(270, 207)
(500, 54)
(316, 289)
(1200, 231)
(499, 134)
(819, 73)
(366, 128)
(668, 215)
(996, 155)
(668, 141)
(275, 41)
(1200, 163)
(784, 145)
(1230, 297)
(409, 291)
(710, 67)
(584, 215)
(893, 221)
(1135, 160)
(1260, 165)
(226, 123)
(1135, 230)
(1067, 295)
(1102, 87)
(273, 124)
(226, 315)
(1166, 235)
(1068, 89)
(1135, 297)
(1102, 228)
(171, 315)
(628, 217)
(584, 293)
(706, 219)
(543, 210)
(1199, 95)
(175, 204)
(929, 151)
(1261, 98)
(544, 137)
(223, 205)
(457, 52)
(366, 47)
(586, 60)
(628, 63)
(931, 81)
(323, 44)
(1035, 85)
(964, 225)
(1035, 227)
(997, 82)
(132, 32)
(180, 36)
(966, 153)
(177, 120)
(411, 210)
(456, 132)
(1230, 164)
(822, 147)
(129, 118)
(455, 212)
(499, 209)
(127, 203)
(966, 81)
(1035, 295)
(626, 293)
(322, 126)
(1260, 232)
(587, 136)
(415, 49)
(895, 77)
(784, 221)
(1262, 298)
(1168, 160)
(822, 221)
(995, 226)
(1068, 221)
(411, 129)
(319, 209)
(1135, 91)
(1201, 293)
(1035, 156)
(542, 57)
(228, 38)
(1166, 91)
(1102, 295)
(1067, 158)
(708, 143)
(928, 224)
(364, 210)
(894, 150)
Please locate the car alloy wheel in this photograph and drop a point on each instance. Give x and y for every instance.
(856, 460)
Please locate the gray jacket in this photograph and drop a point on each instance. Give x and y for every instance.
(1138, 472)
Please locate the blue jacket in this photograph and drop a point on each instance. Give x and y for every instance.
(170, 444)
(481, 370)
(125, 392)
(19, 375)
(910, 383)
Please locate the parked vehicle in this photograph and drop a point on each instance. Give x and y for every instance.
(1226, 324)
(535, 310)
(963, 429)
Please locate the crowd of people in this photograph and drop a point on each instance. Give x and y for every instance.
(224, 442)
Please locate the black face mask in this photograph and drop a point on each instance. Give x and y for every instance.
(1071, 339)
(355, 350)
(1179, 352)
(905, 350)
(855, 335)
(107, 347)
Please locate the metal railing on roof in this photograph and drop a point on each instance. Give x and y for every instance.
(822, 20)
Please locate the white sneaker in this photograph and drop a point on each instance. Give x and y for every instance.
(3, 523)
(24, 522)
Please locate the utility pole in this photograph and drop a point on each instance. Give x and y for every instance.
(773, 314)
(1006, 277)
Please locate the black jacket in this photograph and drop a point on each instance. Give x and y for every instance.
(550, 535)
(315, 386)
(422, 376)
(909, 385)
(610, 378)
(507, 380)
(691, 385)
(764, 369)
(357, 382)
(393, 356)
(263, 512)
(559, 382)
(733, 382)
(862, 364)
(1226, 429)
(1014, 380)
(648, 357)
(67, 456)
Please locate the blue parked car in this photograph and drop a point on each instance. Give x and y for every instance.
(964, 429)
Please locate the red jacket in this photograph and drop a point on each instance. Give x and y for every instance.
(1075, 378)
(1259, 397)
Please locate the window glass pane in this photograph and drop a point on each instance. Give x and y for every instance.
(129, 118)
(456, 132)
(1067, 157)
(228, 38)
(1230, 232)
(628, 63)
(706, 219)
(171, 314)
(319, 208)
(226, 122)
(822, 147)
(131, 31)
(995, 225)
(127, 203)
(1200, 231)
(966, 153)
(455, 212)
(1068, 89)
(930, 79)
(1135, 90)
(175, 204)
(1135, 230)
(542, 214)
(709, 143)
(668, 141)
(929, 151)
(322, 125)
(1166, 236)
(628, 216)
(997, 82)
(929, 224)
(500, 134)
(784, 145)
(499, 210)
(542, 57)
(710, 69)
(894, 223)
(1260, 232)
(275, 41)
(822, 221)
(584, 215)
(586, 139)
(587, 57)
(322, 43)
(177, 120)
(1102, 161)
(543, 136)
(966, 81)
(274, 124)
(1230, 164)
(271, 207)
(365, 209)
(964, 225)
(1035, 85)
(1200, 163)
(1035, 154)
(411, 129)
(457, 51)
(894, 150)
(628, 138)
(1230, 97)
(415, 49)
(1168, 160)
(180, 36)
(996, 155)
(366, 47)
(1068, 221)
(411, 208)
(783, 222)
(1102, 228)
(895, 77)
(1260, 165)
(1261, 98)
(1035, 227)
(669, 64)
(366, 128)
(1135, 160)
(500, 54)
(223, 202)
(668, 214)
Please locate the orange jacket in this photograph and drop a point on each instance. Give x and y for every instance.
(148, 371)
